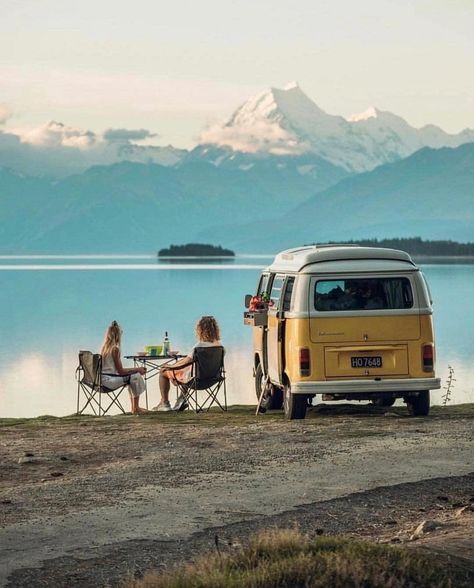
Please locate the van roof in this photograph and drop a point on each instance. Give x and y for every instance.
(294, 260)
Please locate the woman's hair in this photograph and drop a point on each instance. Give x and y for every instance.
(207, 329)
(113, 338)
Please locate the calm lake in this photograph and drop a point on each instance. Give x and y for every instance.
(50, 307)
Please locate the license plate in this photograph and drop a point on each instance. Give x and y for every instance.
(366, 362)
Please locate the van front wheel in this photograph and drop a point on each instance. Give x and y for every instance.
(419, 405)
(294, 405)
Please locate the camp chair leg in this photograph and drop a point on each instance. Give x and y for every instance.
(114, 400)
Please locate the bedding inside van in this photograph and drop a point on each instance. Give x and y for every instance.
(377, 293)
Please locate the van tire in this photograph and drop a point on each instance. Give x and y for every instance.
(273, 398)
(294, 405)
(384, 401)
(419, 405)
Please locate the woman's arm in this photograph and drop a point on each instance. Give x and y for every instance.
(119, 367)
(183, 362)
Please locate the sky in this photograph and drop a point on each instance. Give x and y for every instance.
(174, 68)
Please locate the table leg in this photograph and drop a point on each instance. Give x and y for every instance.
(136, 363)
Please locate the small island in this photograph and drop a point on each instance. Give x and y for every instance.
(195, 250)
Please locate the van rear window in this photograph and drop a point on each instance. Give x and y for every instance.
(363, 294)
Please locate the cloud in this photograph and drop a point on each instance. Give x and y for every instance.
(263, 135)
(5, 113)
(56, 134)
(59, 150)
(127, 135)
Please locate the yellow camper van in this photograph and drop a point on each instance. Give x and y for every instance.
(346, 322)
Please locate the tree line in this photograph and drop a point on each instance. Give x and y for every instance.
(417, 246)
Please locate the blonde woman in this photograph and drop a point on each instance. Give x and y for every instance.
(208, 335)
(114, 374)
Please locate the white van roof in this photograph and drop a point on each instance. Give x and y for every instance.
(302, 258)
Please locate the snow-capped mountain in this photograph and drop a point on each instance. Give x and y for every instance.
(287, 122)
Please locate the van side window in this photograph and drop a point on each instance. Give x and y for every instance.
(290, 282)
(363, 294)
(275, 293)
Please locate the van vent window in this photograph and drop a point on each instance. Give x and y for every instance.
(276, 290)
(363, 294)
(263, 284)
(290, 282)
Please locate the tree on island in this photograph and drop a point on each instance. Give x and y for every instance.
(195, 250)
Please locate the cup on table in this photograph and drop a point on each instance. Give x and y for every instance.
(154, 350)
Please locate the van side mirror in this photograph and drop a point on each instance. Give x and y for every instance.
(248, 298)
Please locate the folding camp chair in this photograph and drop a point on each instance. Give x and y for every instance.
(89, 382)
(207, 379)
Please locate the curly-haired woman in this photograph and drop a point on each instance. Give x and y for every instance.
(208, 335)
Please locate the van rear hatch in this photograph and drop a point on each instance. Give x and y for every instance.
(366, 345)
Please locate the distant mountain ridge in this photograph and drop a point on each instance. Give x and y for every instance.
(429, 194)
(131, 207)
(136, 207)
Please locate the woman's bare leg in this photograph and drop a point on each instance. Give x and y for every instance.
(135, 404)
(164, 386)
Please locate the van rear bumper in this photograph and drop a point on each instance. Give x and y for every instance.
(366, 386)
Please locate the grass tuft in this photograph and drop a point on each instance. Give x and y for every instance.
(288, 559)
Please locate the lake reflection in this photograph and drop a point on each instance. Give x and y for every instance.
(62, 305)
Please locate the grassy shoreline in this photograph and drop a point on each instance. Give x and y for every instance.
(236, 415)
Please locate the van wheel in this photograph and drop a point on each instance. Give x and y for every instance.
(384, 400)
(419, 405)
(294, 405)
(273, 398)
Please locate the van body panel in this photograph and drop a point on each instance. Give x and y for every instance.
(296, 338)
(349, 329)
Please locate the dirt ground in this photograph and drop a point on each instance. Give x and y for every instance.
(85, 501)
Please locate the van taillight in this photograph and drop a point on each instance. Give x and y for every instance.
(305, 367)
(428, 358)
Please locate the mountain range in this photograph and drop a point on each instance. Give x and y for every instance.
(429, 194)
(278, 172)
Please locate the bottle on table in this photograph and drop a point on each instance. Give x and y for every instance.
(166, 344)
